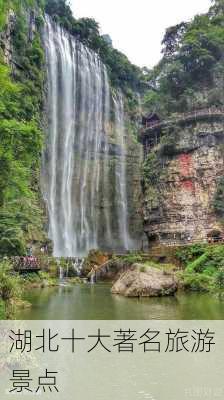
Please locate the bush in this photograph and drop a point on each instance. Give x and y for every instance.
(189, 253)
(219, 280)
(10, 289)
(198, 264)
(207, 270)
(197, 282)
(9, 283)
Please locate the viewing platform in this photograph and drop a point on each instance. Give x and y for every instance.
(26, 264)
(152, 123)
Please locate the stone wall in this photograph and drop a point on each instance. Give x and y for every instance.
(178, 205)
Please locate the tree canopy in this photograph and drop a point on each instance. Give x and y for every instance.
(191, 63)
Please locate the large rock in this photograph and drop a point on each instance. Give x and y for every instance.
(141, 281)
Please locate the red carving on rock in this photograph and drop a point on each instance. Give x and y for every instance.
(185, 164)
(188, 185)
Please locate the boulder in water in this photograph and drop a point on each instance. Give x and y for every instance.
(145, 282)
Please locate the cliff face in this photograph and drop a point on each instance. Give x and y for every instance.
(134, 193)
(6, 37)
(179, 198)
(109, 203)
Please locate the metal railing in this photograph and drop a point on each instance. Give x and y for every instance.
(26, 263)
(186, 242)
(212, 111)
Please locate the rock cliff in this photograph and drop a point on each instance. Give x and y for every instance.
(183, 169)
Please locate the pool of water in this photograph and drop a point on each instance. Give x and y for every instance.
(86, 301)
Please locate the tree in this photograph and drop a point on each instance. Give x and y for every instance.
(172, 39)
(217, 7)
(58, 8)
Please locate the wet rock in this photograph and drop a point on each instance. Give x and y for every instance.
(140, 281)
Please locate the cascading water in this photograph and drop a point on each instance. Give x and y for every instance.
(122, 205)
(84, 164)
(77, 266)
(61, 273)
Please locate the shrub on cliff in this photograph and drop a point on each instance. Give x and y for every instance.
(20, 147)
(218, 202)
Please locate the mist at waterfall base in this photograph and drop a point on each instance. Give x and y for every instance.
(84, 162)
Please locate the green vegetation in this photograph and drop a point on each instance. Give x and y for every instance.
(16, 6)
(39, 279)
(13, 286)
(152, 168)
(220, 279)
(218, 202)
(10, 289)
(188, 254)
(168, 268)
(203, 266)
(131, 258)
(154, 174)
(186, 77)
(21, 139)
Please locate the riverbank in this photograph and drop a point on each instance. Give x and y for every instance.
(14, 286)
(195, 267)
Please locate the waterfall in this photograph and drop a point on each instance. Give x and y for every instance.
(92, 279)
(61, 273)
(85, 192)
(77, 266)
(121, 173)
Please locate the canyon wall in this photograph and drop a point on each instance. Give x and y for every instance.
(180, 197)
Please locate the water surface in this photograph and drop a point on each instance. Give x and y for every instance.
(87, 301)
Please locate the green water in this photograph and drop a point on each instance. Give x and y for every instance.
(87, 301)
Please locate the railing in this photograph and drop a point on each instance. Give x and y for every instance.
(186, 242)
(184, 117)
(27, 263)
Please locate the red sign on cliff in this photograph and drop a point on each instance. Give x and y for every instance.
(185, 163)
(185, 166)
